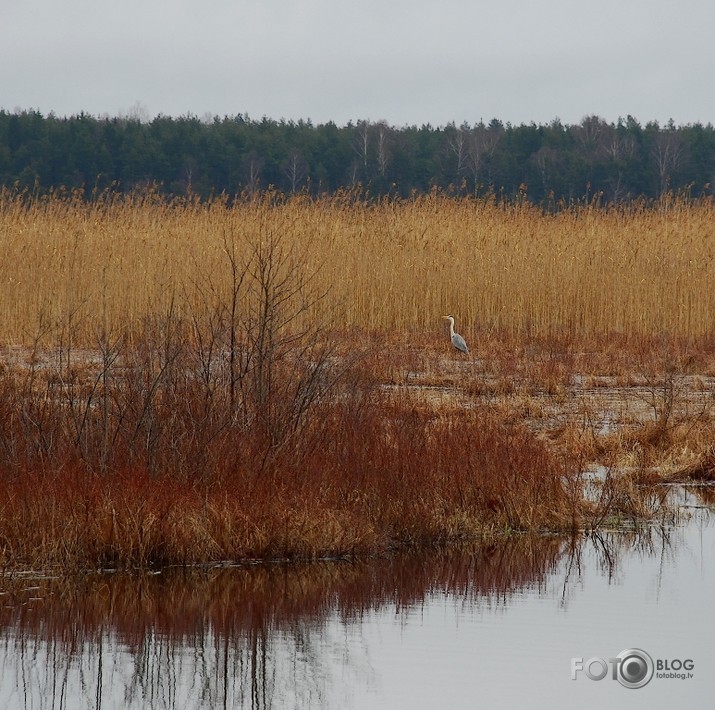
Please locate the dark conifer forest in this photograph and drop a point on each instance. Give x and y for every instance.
(552, 164)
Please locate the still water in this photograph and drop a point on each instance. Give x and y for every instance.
(493, 626)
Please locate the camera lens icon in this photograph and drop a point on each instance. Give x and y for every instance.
(635, 669)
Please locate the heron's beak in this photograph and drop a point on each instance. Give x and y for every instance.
(445, 317)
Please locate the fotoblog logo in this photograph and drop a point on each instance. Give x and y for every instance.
(632, 668)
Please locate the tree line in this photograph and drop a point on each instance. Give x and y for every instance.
(549, 164)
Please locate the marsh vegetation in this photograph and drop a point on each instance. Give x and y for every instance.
(184, 382)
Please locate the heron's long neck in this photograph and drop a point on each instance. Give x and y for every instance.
(451, 327)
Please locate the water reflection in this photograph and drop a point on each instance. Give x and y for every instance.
(285, 635)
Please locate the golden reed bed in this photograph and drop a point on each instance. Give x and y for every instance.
(70, 264)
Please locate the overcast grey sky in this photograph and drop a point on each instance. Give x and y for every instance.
(328, 60)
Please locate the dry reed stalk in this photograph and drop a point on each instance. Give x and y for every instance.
(76, 267)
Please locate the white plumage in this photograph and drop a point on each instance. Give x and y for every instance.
(456, 338)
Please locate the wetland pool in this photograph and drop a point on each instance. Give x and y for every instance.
(495, 625)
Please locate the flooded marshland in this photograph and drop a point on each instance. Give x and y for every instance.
(184, 383)
(525, 619)
(487, 625)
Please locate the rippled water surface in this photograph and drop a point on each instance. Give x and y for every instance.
(495, 626)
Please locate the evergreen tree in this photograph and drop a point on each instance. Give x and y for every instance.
(548, 164)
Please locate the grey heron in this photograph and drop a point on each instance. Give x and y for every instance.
(456, 338)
